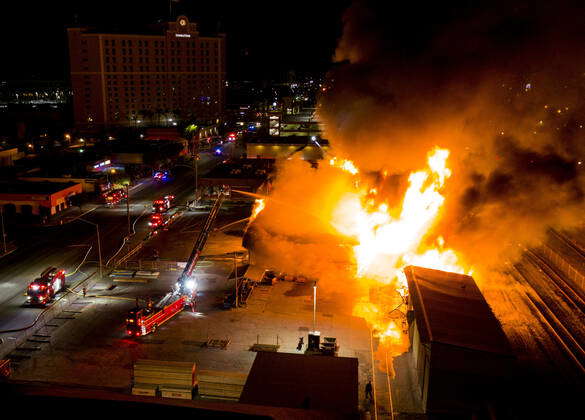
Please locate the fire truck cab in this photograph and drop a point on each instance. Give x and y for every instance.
(43, 289)
(134, 325)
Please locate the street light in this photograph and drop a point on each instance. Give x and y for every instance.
(97, 228)
(3, 233)
(314, 306)
(195, 170)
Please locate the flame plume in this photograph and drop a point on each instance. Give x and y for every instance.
(387, 243)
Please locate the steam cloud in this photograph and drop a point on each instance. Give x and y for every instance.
(501, 85)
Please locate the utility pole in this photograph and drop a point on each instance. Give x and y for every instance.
(3, 233)
(128, 208)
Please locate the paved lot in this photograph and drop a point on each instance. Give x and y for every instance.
(88, 346)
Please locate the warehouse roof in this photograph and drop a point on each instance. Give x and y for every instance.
(450, 309)
(297, 380)
(34, 187)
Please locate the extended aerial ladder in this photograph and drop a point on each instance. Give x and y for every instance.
(142, 321)
(185, 281)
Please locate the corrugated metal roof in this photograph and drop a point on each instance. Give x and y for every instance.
(450, 309)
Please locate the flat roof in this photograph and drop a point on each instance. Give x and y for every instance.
(450, 309)
(287, 140)
(26, 187)
(292, 380)
(242, 169)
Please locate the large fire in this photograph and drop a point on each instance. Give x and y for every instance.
(385, 237)
(388, 239)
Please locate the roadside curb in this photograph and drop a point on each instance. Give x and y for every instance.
(7, 253)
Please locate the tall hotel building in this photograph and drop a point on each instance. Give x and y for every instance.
(136, 79)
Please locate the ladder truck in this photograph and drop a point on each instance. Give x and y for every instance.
(142, 321)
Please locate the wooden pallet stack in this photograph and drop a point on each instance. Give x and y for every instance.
(221, 385)
(164, 378)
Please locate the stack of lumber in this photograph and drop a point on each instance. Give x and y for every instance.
(221, 385)
(171, 379)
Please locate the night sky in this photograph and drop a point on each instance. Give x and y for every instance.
(264, 41)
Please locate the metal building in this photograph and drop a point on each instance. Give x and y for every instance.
(461, 357)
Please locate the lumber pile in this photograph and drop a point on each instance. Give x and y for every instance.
(164, 378)
(221, 385)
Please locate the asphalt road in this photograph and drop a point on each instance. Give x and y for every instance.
(65, 246)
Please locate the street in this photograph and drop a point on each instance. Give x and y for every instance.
(65, 246)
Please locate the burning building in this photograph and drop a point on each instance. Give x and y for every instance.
(459, 353)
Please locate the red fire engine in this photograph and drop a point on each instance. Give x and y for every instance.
(114, 196)
(162, 204)
(142, 321)
(43, 289)
(158, 220)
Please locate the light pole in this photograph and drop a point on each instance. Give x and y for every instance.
(3, 234)
(195, 171)
(236, 275)
(195, 164)
(314, 306)
(128, 208)
(97, 228)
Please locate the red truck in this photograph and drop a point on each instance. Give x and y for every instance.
(43, 289)
(142, 321)
(114, 196)
(161, 205)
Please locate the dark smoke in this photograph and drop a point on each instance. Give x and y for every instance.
(501, 84)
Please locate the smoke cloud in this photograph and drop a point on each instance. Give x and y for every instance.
(500, 84)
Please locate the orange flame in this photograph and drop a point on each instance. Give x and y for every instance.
(259, 205)
(387, 243)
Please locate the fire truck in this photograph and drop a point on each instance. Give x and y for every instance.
(43, 289)
(114, 196)
(161, 205)
(141, 321)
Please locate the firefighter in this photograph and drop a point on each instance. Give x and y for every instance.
(301, 344)
(84, 291)
(369, 393)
